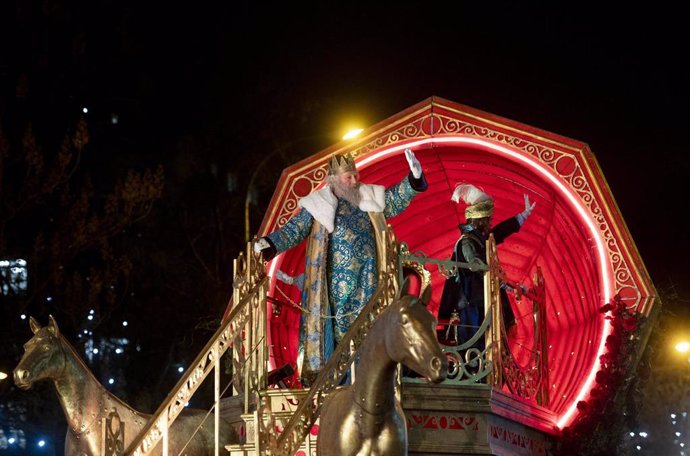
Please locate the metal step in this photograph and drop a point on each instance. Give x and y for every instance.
(283, 403)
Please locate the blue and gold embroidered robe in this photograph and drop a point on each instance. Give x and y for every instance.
(341, 271)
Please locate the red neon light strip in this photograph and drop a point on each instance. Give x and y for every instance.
(575, 203)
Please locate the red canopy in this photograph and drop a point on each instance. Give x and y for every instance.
(575, 233)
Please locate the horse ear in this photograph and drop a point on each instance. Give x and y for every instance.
(404, 287)
(34, 325)
(52, 326)
(426, 296)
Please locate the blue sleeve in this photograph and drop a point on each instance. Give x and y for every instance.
(398, 197)
(293, 232)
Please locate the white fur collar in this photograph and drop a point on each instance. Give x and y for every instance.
(322, 203)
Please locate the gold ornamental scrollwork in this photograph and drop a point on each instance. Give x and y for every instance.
(314, 177)
(530, 381)
(562, 163)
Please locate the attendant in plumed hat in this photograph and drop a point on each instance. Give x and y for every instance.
(464, 292)
(341, 270)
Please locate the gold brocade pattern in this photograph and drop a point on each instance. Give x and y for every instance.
(300, 423)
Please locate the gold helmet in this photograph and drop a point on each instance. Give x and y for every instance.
(479, 204)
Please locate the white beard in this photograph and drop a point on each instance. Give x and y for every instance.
(349, 194)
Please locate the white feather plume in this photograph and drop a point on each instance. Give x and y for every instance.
(469, 194)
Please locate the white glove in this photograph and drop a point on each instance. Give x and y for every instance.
(522, 216)
(415, 166)
(260, 245)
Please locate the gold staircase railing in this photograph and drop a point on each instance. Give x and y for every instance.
(245, 330)
(495, 363)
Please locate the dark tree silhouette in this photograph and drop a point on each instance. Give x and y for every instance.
(70, 236)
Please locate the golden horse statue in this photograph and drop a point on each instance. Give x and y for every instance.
(366, 418)
(99, 423)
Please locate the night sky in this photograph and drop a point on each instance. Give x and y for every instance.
(612, 77)
(250, 76)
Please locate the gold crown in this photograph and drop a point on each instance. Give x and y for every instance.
(342, 164)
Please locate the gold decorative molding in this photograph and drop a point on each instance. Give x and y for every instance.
(565, 161)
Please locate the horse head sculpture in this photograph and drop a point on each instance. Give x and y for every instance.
(414, 343)
(96, 419)
(43, 355)
(366, 419)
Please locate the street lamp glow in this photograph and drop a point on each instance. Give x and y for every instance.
(683, 346)
(3, 375)
(353, 133)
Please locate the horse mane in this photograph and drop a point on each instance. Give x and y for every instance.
(70, 350)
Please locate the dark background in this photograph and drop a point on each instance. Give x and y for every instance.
(209, 90)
